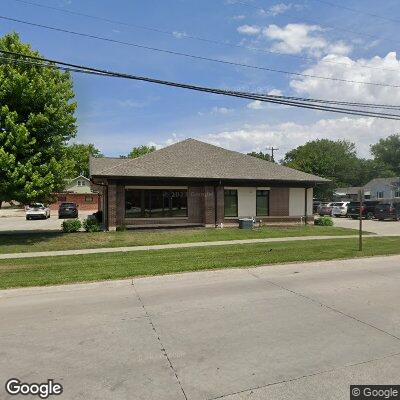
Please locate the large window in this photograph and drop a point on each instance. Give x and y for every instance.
(262, 203)
(379, 195)
(230, 203)
(397, 193)
(155, 203)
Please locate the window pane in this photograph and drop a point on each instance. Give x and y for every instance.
(262, 208)
(134, 207)
(230, 203)
(178, 203)
(157, 204)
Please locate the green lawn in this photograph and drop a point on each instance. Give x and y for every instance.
(19, 243)
(67, 269)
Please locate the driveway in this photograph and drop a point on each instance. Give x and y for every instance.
(16, 222)
(375, 226)
(304, 331)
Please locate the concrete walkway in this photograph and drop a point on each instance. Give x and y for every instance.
(173, 246)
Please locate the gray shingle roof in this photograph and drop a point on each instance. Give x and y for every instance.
(194, 159)
(383, 181)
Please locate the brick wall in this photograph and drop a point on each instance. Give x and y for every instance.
(209, 205)
(112, 206)
(120, 211)
(279, 201)
(195, 201)
(85, 201)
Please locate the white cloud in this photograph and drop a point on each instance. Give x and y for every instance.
(238, 17)
(261, 105)
(288, 135)
(298, 38)
(222, 110)
(384, 70)
(276, 9)
(179, 35)
(249, 29)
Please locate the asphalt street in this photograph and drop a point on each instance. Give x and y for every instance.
(298, 331)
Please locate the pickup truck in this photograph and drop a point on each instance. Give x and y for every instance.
(368, 209)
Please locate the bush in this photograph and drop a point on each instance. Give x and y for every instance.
(323, 221)
(71, 225)
(91, 225)
(99, 216)
(121, 228)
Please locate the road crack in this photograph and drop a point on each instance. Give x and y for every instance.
(162, 347)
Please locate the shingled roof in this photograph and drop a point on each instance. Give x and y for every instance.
(197, 160)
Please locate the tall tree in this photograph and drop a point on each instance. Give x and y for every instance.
(387, 152)
(260, 154)
(141, 151)
(79, 155)
(335, 160)
(36, 121)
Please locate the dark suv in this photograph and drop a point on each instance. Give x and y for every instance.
(368, 209)
(68, 210)
(387, 211)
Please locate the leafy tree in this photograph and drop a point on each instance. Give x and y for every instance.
(387, 152)
(260, 154)
(141, 151)
(36, 121)
(79, 155)
(335, 160)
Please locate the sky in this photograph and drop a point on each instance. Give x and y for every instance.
(317, 37)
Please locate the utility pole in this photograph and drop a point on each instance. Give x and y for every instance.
(272, 149)
(360, 240)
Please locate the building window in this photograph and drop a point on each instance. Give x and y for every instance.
(230, 203)
(262, 203)
(88, 199)
(155, 203)
(397, 193)
(379, 195)
(81, 183)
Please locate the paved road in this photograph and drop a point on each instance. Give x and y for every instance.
(380, 227)
(18, 223)
(303, 331)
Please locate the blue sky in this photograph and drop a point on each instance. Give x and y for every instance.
(309, 36)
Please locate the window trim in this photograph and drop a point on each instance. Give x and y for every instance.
(237, 202)
(267, 196)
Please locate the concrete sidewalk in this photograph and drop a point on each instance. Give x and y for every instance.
(173, 246)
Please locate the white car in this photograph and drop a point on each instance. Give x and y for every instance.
(37, 211)
(339, 209)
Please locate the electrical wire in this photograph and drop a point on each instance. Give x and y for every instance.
(198, 38)
(193, 56)
(38, 61)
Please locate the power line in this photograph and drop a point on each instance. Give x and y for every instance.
(194, 37)
(38, 61)
(358, 11)
(193, 56)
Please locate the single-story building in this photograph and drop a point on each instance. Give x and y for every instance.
(196, 183)
(78, 190)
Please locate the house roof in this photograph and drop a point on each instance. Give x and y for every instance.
(383, 181)
(197, 160)
(348, 190)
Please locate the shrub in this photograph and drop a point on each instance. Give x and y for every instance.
(323, 221)
(71, 225)
(91, 225)
(99, 216)
(121, 228)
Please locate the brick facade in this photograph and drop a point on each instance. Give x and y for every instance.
(201, 208)
(279, 202)
(85, 201)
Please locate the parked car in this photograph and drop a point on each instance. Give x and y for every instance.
(68, 210)
(339, 209)
(325, 209)
(387, 210)
(368, 209)
(315, 206)
(37, 211)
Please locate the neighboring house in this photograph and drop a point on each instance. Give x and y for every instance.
(376, 189)
(347, 193)
(195, 183)
(383, 189)
(78, 190)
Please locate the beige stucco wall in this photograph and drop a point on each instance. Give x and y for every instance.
(246, 200)
(296, 201)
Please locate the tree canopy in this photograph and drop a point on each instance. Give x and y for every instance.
(260, 154)
(387, 152)
(79, 155)
(141, 151)
(36, 122)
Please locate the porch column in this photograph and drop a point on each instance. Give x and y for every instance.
(209, 206)
(112, 207)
